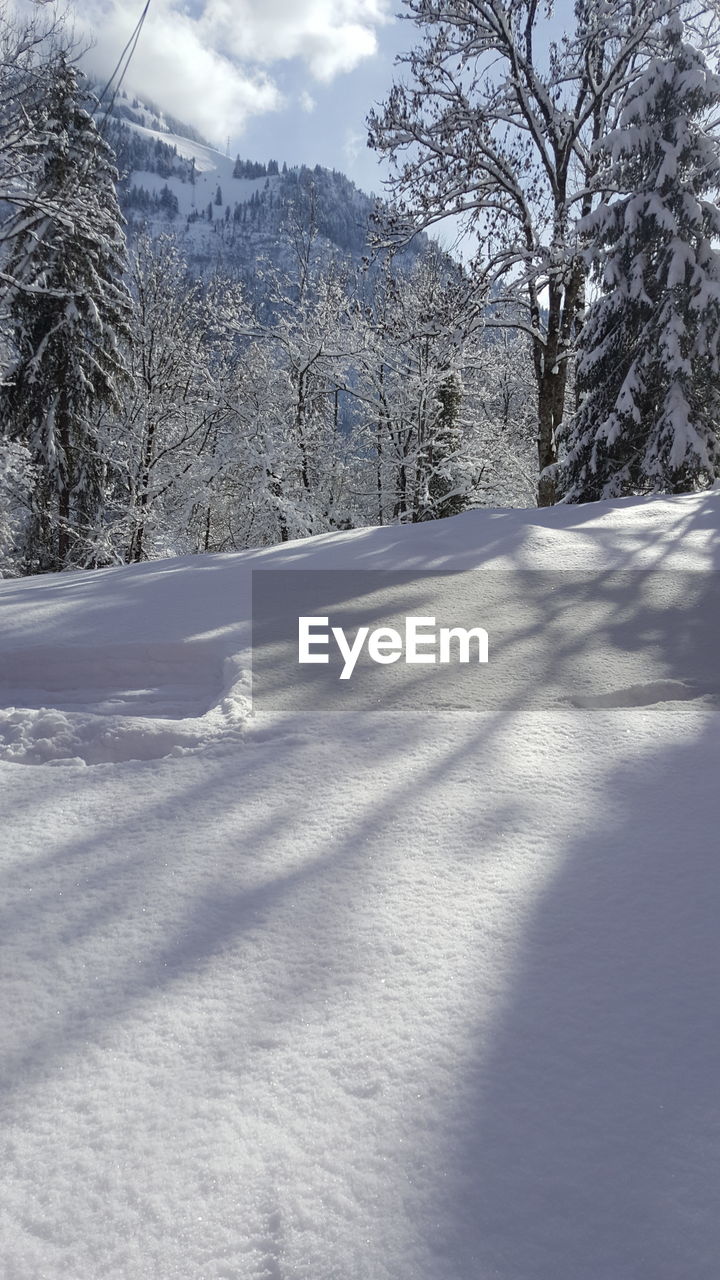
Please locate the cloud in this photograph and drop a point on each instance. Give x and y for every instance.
(307, 102)
(354, 144)
(330, 36)
(211, 62)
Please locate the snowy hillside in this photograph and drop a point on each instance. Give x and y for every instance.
(417, 993)
(171, 178)
(211, 168)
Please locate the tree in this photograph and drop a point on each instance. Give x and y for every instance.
(501, 403)
(29, 49)
(649, 367)
(67, 309)
(443, 495)
(498, 129)
(168, 202)
(167, 426)
(16, 485)
(421, 323)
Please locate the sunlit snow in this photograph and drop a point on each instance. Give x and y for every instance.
(403, 995)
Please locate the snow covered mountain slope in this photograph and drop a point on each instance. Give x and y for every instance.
(408, 994)
(174, 181)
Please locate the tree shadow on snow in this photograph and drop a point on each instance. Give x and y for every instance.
(586, 1140)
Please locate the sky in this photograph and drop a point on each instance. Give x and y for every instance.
(283, 79)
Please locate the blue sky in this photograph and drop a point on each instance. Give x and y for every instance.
(334, 132)
(287, 79)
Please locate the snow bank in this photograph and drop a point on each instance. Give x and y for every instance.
(145, 661)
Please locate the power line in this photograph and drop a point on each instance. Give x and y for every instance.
(122, 65)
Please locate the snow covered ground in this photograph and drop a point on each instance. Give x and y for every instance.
(411, 993)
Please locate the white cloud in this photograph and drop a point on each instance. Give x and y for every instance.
(330, 36)
(307, 102)
(210, 61)
(354, 144)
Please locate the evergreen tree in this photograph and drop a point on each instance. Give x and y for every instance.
(650, 350)
(66, 314)
(168, 202)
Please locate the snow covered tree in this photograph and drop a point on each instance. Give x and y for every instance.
(649, 368)
(444, 496)
(501, 392)
(16, 483)
(312, 339)
(28, 49)
(422, 321)
(496, 126)
(66, 310)
(167, 426)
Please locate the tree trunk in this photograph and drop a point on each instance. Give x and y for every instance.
(275, 488)
(548, 398)
(137, 549)
(551, 372)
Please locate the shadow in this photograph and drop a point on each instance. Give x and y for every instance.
(585, 1139)
(143, 603)
(267, 956)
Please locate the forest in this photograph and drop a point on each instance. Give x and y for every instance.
(151, 408)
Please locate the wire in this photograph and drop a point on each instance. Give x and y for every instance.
(125, 57)
(134, 36)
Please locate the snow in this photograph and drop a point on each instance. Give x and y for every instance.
(402, 995)
(212, 169)
(207, 159)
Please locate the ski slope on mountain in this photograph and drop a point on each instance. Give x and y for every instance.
(212, 169)
(413, 993)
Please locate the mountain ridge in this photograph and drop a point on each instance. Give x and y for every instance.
(172, 179)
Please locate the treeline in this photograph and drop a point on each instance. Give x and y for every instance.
(146, 412)
(255, 169)
(341, 212)
(588, 172)
(148, 409)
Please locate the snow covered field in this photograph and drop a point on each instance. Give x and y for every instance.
(408, 994)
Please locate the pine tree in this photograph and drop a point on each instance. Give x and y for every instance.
(168, 202)
(650, 351)
(67, 314)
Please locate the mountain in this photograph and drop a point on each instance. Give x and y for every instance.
(229, 209)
